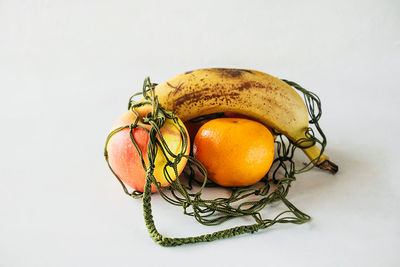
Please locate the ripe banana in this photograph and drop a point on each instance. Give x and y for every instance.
(253, 93)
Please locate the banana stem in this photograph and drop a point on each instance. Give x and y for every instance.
(320, 160)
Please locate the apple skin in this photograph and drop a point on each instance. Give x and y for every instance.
(125, 160)
(236, 115)
(192, 128)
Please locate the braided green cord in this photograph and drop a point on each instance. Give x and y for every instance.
(214, 212)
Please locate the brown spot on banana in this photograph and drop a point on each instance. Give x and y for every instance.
(231, 73)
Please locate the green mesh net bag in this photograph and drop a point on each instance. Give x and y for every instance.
(186, 191)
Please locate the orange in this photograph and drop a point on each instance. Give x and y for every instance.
(235, 151)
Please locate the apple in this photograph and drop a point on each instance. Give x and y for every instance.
(236, 115)
(125, 160)
(192, 128)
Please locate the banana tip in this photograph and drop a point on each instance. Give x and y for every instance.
(329, 166)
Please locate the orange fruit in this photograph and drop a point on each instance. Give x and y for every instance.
(235, 151)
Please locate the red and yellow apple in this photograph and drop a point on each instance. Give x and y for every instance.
(125, 160)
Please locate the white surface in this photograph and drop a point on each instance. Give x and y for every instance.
(67, 69)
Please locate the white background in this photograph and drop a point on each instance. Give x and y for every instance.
(67, 69)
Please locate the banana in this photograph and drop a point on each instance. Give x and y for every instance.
(253, 93)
